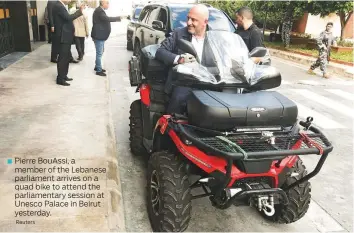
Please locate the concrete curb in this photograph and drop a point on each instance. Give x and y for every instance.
(116, 218)
(334, 68)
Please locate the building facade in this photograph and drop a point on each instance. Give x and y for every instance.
(19, 26)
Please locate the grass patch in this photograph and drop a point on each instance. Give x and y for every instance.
(341, 56)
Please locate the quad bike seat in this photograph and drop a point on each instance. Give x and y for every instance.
(225, 111)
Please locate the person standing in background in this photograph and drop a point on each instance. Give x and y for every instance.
(81, 31)
(249, 32)
(101, 29)
(64, 32)
(324, 43)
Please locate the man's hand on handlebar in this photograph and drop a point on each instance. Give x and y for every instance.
(186, 58)
(256, 59)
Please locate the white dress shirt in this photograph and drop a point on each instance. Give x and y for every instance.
(198, 44)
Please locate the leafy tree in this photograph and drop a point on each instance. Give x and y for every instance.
(344, 9)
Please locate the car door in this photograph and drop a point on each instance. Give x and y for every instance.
(159, 34)
(149, 32)
(141, 26)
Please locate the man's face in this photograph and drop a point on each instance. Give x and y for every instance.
(196, 23)
(239, 19)
(329, 28)
(105, 5)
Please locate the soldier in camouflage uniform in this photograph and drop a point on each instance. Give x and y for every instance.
(324, 43)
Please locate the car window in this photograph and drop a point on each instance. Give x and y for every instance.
(163, 17)
(144, 14)
(137, 13)
(153, 15)
(217, 19)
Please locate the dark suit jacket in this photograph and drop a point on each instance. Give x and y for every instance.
(50, 6)
(63, 23)
(101, 28)
(168, 51)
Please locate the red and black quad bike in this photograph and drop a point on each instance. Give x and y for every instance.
(240, 141)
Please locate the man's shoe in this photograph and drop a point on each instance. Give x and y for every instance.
(63, 83)
(80, 58)
(103, 70)
(68, 79)
(101, 73)
(310, 71)
(73, 61)
(54, 61)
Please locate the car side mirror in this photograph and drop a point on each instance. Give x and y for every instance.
(258, 52)
(187, 47)
(158, 25)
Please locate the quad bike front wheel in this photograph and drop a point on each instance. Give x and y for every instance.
(168, 193)
(299, 198)
(136, 129)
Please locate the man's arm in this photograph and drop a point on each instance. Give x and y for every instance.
(66, 16)
(164, 53)
(50, 6)
(86, 26)
(320, 44)
(103, 17)
(256, 39)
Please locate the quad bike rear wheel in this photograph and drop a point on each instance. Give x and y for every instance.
(299, 198)
(136, 129)
(168, 193)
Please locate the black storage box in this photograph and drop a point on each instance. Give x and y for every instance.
(152, 69)
(226, 111)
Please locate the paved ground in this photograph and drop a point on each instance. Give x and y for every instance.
(41, 119)
(330, 102)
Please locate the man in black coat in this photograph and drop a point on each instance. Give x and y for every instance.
(101, 29)
(55, 44)
(249, 32)
(170, 54)
(64, 32)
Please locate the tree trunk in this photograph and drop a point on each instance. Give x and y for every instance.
(287, 25)
(342, 24)
(265, 22)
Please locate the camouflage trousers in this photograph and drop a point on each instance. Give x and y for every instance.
(321, 61)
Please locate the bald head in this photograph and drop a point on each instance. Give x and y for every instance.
(200, 10)
(197, 20)
(104, 4)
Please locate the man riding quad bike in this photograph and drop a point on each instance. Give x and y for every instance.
(241, 142)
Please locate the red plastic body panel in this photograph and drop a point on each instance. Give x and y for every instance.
(212, 163)
(145, 94)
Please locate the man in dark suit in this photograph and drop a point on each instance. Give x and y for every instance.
(101, 29)
(170, 54)
(54, 40)
(64, 32)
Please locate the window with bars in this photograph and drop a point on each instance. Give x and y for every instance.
(6, 37)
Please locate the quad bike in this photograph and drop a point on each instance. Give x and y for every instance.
(240, 141)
